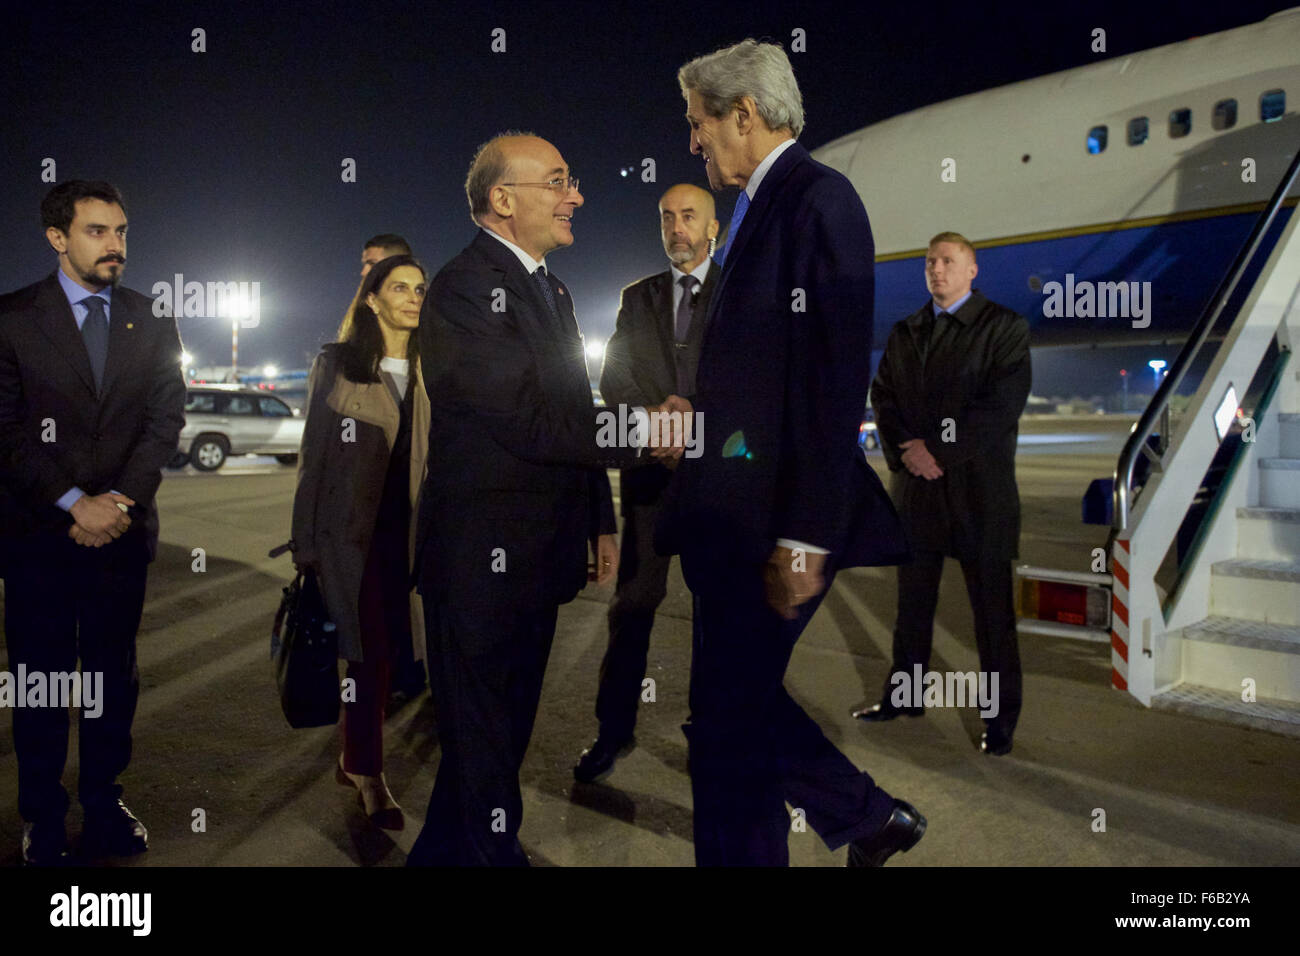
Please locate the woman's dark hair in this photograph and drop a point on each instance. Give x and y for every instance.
(363, 344)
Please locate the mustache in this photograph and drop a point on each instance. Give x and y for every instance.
(120, 260)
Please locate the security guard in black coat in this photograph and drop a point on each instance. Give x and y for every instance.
(948, 396)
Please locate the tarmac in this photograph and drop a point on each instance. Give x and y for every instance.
(209, 735)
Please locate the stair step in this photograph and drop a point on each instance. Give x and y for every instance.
(1252, 568)
(1279, 717)
(1279, 482)
(1269, 534)
(1242, 633)
(1270, 514)
(1256, 590)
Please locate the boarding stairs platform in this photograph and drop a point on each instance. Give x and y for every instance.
(1205, 547)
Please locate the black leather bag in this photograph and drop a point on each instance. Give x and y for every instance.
(305, 651)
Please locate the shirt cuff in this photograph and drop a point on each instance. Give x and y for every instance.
(70, 498)
(806, 548)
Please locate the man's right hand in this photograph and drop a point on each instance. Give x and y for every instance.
(99, 515)
(669, 444)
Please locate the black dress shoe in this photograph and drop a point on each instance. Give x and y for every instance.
(45, 844)
(113, 831)
(598, 759)
(995, 743)
(902, 831)
(886, 711)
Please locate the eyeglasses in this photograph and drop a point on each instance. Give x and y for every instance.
(561, 184)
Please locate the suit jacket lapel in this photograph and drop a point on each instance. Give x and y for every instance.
(706, 295)
(660, 290)
(123, 332)
(564, 303)
(758, 209)
(55, 319)
(519, 285)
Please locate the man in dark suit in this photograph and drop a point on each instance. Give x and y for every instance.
(948, 396)
(653, 353)
(92, 402)
(764, 517)
(515, 495)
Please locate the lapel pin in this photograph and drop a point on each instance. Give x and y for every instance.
(130, 325)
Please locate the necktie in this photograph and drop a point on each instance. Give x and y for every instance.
(685, 308)
(685, 313)
(548, 294)
(94, 333)
(742, 206)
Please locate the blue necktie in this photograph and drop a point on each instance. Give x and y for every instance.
(547, 293)
(94, 333)
(742, 206)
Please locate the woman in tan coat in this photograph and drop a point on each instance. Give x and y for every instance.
(360, 469)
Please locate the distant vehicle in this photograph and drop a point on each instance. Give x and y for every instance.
(225, 420)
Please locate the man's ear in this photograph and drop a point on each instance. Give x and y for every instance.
(711, 230)
(975, 270)
(57, 238)
(502, 201)
(746, 112)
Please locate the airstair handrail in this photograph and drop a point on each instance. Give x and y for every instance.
(1156, 408)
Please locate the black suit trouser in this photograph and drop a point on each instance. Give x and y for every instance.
(989, 586)
(64, 601)
(752, 748)
(642, 584)
(486, 667)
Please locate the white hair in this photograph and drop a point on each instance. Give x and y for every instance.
(749, 68)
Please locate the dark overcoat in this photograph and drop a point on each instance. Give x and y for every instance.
(965, 401)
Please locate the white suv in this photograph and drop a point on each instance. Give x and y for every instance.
(224, 420)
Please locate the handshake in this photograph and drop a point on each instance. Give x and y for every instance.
(672, 427)
(99, 519)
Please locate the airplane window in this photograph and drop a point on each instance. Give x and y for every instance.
(1180, 123)
(1225, 114)
(1137, 130)
(1272, 105)
(1096, 139)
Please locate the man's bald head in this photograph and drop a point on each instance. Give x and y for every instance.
(520, 188)
(491, 165)
(686, 218)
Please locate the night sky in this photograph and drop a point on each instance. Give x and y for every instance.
(230, 160)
